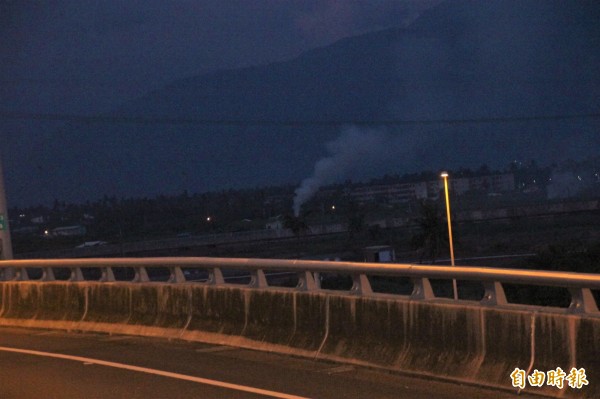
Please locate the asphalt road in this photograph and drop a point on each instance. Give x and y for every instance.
(49, 364)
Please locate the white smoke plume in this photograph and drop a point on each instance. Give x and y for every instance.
(353, 148)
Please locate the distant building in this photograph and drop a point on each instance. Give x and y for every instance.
(38, 220)
(275, 223)
(564, 185)
(434, 188)
(26, 230)
(87, 216)
(401, 193)
(69, 231)
(379, 253)
(458, 185)
(395, 193)
(493, 183)
(88, 244)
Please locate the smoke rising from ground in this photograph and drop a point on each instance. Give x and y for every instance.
(353, 148)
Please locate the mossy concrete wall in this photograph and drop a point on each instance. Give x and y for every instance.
(461, 342)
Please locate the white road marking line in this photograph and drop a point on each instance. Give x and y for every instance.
(162, 373)
(339, 369)
(215, 349)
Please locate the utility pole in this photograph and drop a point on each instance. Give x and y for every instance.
(5, 243)
(6, 249)
(4, 230)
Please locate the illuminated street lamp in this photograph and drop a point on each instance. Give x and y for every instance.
(445, 176)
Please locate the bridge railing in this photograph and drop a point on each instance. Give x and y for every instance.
(579, 285)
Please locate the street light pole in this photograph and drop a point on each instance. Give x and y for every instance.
(445, 176)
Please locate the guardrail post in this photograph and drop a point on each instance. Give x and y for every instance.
(494, 294)
(306, 282)
(177, 275)
(107, 275)
(360, 285)
(422, 289)
(258, 279)
(21, 274)
(141, 276)
(582, 301)
(76, 274)
(215, 276)
(47, 274)
(317, 278)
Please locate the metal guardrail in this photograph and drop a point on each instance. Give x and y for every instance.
(579, 285)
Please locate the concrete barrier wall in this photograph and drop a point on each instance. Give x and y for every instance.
(461, 342)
